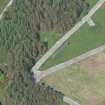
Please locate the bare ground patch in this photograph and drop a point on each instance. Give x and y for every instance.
(94, 63)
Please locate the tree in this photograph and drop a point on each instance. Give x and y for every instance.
(19, 37)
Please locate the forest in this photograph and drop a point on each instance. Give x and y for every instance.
(21, 46)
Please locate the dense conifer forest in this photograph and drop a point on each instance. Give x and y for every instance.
(21, 46)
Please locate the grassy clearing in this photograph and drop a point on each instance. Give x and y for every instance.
(85, 39)
(91, 2)
(3, 55)
(1, 77)
(3, 84)
(50, 37)
(2, 92)
(3, 3)
(83, 84)
(63, 103)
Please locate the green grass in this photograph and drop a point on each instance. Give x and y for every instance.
(63, 103)
(50, 37)
(91, 2)
(2, 91)
(3, 3)
(1, 77)
(79, 84)
(3, 55)
(1, 94)
(85, 39)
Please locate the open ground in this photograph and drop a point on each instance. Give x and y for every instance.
(3, 4)
(85, 39)
(78, 75)
(83, 82)
(81, 79)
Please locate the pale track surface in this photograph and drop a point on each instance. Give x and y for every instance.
(65, 99)
(5, 9)
(70, 101)
(70, 62)
(40, 75)
(60, 42)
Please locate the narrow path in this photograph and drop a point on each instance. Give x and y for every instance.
(66, 99)
(66, 64)
(91, 22)
(5, 9)
(70, 101)
(39, 75)
(70, 62)
(60, 42)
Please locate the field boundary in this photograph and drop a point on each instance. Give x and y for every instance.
(36, 68)
(38, 75)
(67, 64)
(70, 101)
(61, 41)
(5, 9)
(71, 61)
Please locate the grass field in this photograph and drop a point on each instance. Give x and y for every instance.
(91, 2)
(63, 103)
(3, 55)
(3, 84)
(3, 3)
(85, 39)
(52, 37)
(2, 92)
(83, 82)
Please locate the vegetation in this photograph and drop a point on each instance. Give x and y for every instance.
(3, 3)
(62, 19)
(21, 45)
(83, 82)
(91, 2)
(3, 82)
(85, 39)
(49, 37)
(1, 76)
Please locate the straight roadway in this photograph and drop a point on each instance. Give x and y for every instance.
(5, 9)
(70, 62)
(65, 99)
(60, 42)
(35, 69)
